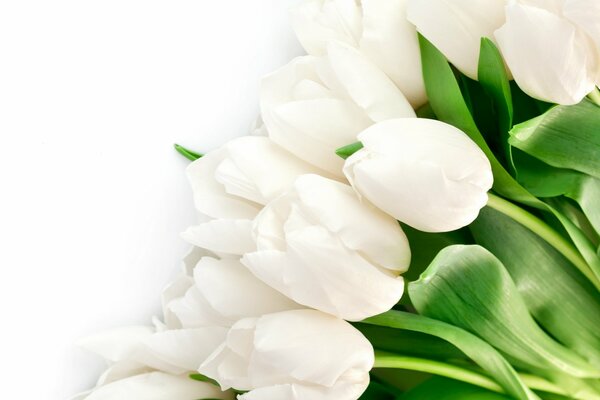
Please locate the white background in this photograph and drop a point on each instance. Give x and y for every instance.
(92, 195)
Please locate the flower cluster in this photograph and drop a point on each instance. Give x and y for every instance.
(302, 229)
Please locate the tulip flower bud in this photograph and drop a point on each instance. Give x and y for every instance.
(425, 173)
(293, 355)
(378, 29)
(323, 248)
(234, 181)
(314, 105)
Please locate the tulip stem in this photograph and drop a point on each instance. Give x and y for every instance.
(595, 96)
(544, 231)
(467, 375)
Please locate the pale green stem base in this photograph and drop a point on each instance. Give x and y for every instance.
(595, 96)
(544, 231)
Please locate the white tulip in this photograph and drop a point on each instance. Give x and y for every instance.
(323, 248)
(222, 292)
(293, 355)
(456, 27)
(156, 386)
(378, 29)
(314, 105)
(234, 181)
(146, 363)
(563, 72)
(425, 173)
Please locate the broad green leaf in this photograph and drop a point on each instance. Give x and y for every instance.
(494, 79)
(483, 354)
(564, 137)
(449, 105)
(189, 154)
(469, 287)
(559, 297)
(438, 388)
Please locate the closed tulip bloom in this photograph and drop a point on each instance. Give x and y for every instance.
(314, 105)
(293, 355)
(456, 27)
(563, 72)
(378, 29)
(234, 181)
(322, 247)
(425, 173)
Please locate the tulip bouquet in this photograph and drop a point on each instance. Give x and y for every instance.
(417, 216)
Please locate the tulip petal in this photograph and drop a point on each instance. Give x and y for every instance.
(271, 169)
(360, 226)
(456, 27)
(586, 15)
(116, 344)
(180, 350)
(228, 236)
(157, 386)
(235, 293)
(210, 197)
(562, 73)
(317, 22)
(194, 311)
(367, 85)
(390, 41)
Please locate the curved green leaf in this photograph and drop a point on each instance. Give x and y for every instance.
(475, 348)
(564, 137)
(559, 298)
(469, 287)
(438, 388)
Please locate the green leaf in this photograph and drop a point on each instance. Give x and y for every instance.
(449, 105)
(438, 388)
(189, 154)
(564, 137)
(347, 151)
(494, 79)
(559, 297)
(475, 348)
(379, 391)
(469, 287)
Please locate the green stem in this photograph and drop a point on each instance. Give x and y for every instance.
(544, 231)
(595, 96)
(390, 360)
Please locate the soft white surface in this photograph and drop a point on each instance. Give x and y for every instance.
(92, 196)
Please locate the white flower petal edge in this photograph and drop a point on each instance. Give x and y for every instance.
(234, 181)
(323, 248)
(456, 27)
(314, 105)
(425, 173)
(156, 386)
(223, 292)
(562, 73)
(293, 353)
(222, 236)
